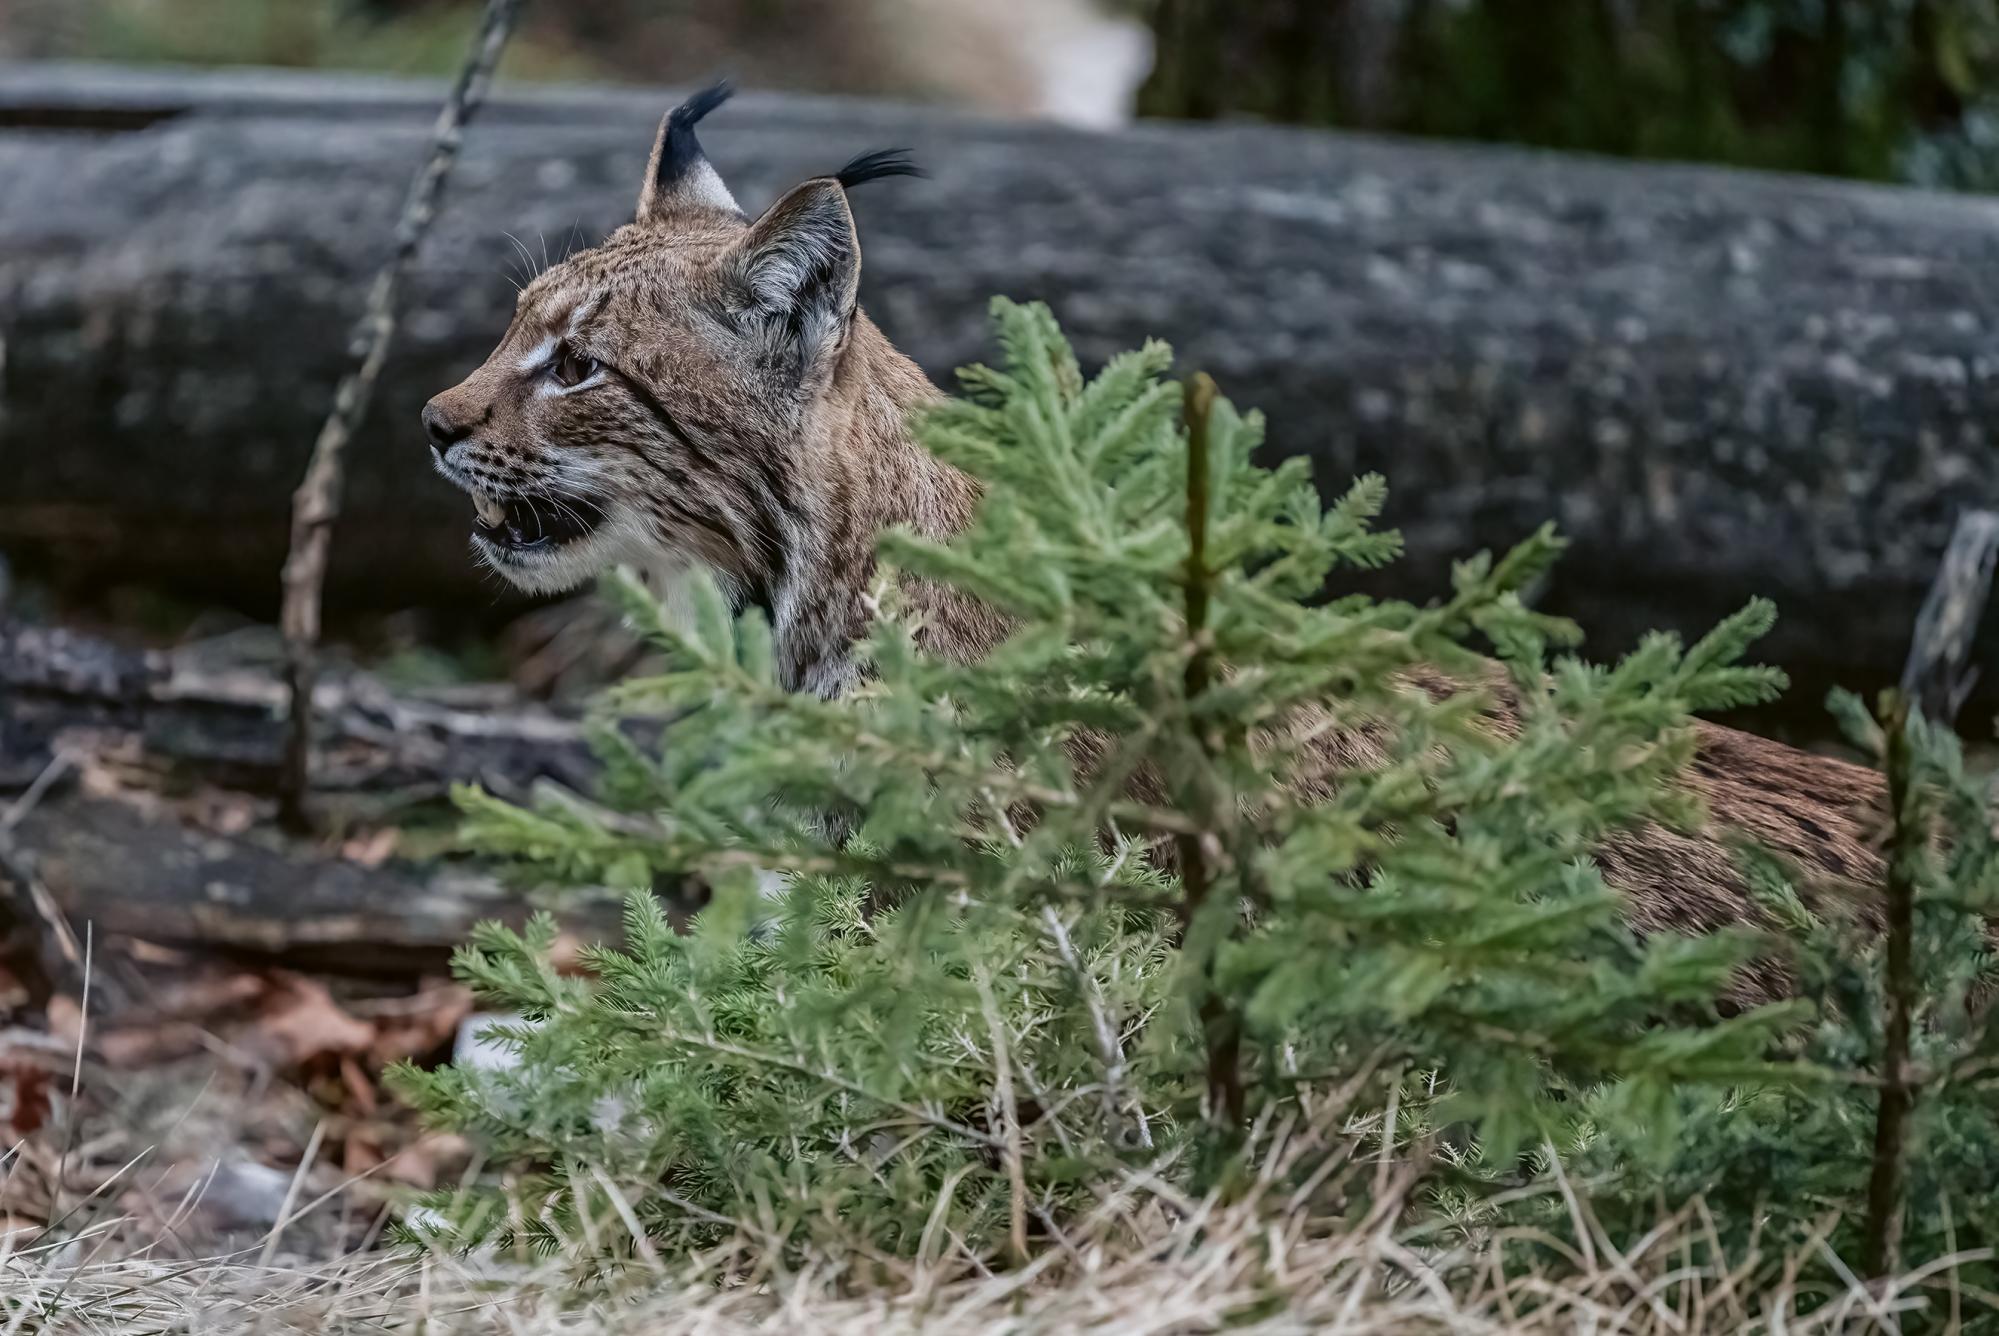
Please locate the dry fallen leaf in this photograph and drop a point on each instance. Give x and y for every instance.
(371, 848)
(359, 1088)
(65, 1019)
(299, 1022)
(361, 1152)
(145, 1045)
(25, 1102)
(35, 1074)
(423, 1023)
(209, 996)
(424, 1163)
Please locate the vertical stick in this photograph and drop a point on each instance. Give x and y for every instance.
(1224, 1037)
(316, 503)
(1905, 852)
(1016, 1174)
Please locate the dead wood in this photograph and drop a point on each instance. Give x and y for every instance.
(157, 826)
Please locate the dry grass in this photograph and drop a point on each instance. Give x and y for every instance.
(1195, 1267)
(125, 1250)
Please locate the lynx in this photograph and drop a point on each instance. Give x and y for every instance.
(703, 390)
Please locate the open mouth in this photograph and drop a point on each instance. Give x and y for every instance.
(522, 525)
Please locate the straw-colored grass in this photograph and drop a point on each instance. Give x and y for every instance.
(120, 1238)
(1167, 1265)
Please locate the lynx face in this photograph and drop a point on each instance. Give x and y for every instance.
(648, 403)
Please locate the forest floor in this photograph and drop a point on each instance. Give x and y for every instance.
(167, 1245)
(196, 1010)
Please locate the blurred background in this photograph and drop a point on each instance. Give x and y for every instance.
(1718, 385)
(1882, 89)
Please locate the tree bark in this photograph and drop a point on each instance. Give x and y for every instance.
(199, 717)
(130, 873)
(134, 864)
(1718, 383)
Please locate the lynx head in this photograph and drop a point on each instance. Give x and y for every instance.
(650, 401)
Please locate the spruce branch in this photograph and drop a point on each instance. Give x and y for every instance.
(316, 503)
(925, 1117)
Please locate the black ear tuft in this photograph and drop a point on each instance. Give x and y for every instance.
(679, 150)
(874, 166)
(694, 108)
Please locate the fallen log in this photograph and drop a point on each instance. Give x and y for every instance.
(218, 720)
(1719, 383)
(130, 873)
(169, 729)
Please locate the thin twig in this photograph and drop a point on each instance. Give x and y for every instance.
(59, 765)
(316, 503)
(1109, 1051)
(61, 955)
(1016, 1174)
(1226, 1101)
(305, 1163)
(71, 1122)
(1906, 850)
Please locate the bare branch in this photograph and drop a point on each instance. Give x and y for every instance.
(316, 503)
(1935, 678)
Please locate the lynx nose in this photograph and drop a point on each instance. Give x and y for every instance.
(442, 429)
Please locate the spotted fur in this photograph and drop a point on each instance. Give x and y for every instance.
(705, 389)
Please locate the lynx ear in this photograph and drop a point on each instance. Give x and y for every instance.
(679, 178)
(798, 267)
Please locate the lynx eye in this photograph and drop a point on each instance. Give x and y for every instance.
(572, 368)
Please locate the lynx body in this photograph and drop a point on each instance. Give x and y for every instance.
(703, 389)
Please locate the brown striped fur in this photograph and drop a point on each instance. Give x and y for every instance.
(745, 416)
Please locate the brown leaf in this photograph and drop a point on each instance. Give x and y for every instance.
(421, 1024)
(422, 1164)
(25, 1101)
(210, 996)
(36, 1071)
(144, 1045)
(565, 953)
(359, 1087)
(372, 848)
(361, 1152)
(299, 1022)
(65, 1019)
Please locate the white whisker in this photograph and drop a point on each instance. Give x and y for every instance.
(527, 258)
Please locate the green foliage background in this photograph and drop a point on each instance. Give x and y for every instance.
(1880, 89)
(1885, 89)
